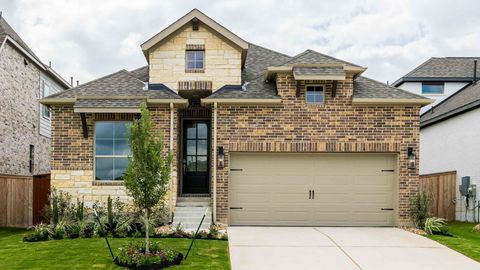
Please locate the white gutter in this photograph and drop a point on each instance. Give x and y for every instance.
(171, 151)
(214, 170)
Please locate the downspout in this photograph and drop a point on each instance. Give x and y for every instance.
(171, 165)
(214, 167)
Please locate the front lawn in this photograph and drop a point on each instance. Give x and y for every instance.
(93, 253)
(463, 239)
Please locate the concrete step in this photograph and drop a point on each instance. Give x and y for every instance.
(194, 199)
(193, 204)
(190, 216)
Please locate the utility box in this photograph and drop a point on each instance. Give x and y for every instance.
(464, 186)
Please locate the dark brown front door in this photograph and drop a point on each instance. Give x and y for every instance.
(196, 157)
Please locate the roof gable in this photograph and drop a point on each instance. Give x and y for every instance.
(187, 18)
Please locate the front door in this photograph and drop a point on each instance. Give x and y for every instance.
(196, 157)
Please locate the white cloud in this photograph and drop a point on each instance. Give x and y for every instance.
(91, 38)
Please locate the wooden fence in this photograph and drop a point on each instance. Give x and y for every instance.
(442, 188)
(16, 201)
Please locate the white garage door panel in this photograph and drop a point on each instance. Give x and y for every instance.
(350, 189)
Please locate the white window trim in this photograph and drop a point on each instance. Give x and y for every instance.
(186, 60)
(323, 93)
(104, 156)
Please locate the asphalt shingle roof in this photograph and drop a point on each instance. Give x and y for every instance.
(141, 73)
(463, 100)
(108, 103)
(313, 57)
(318, 70)
(364, 87)
(453, 68)
(121, 83)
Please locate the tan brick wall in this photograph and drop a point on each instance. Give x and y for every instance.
(72, 156)
(222, 60)
(336, 126)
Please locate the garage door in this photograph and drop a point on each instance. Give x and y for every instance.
(312, 189)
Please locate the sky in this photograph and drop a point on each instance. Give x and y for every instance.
(91, 38)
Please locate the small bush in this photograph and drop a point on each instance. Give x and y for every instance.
(74, 230)
(88, 230)
(419, 207)
(133, 256)
(476, 228)
(59, 231)
(435, 225)
(41, 232)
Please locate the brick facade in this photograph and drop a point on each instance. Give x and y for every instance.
(19, 115)
(72, 156)
(336, 126)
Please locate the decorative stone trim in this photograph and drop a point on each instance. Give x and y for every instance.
(107, 183)
(314, 147)
(195, 70)
(195, 85)
(195, 47)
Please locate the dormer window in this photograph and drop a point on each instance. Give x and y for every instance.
(195, 61)
(314, 94)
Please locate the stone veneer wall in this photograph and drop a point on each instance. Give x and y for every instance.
(19, 116)
(72, 156)
(336, 126)
(222, 60)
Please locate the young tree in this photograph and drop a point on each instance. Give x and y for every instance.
(148, 173)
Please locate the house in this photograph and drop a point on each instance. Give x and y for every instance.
(24, 122)
(439, 77)
(449, 127)
(258, 137)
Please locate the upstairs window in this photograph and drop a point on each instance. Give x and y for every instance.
(45, 93)
(436, 88)
(314, 94)
(195, 61)
(111, 149)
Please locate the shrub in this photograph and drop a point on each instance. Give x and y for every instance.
(59, 230)
(435, 225)
(74, 230)
(134, 256)
(88, 230)
(419, 207)
(213, 232)
(41, 232)
(476, 228)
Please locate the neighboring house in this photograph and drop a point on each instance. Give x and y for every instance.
(439, 77)
(24, 122)
(449, 130)
(259, 137)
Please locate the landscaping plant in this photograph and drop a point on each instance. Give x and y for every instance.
(133, 256)
(148, 172)
(435, 225)
(419, 207)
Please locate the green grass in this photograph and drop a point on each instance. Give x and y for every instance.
(463, 239)
(93, 253)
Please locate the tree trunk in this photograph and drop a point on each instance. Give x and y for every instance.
(147, 221)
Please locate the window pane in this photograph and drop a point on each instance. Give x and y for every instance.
(45, 111)
(103, 130)
(120, 165)
(199, 65)
(319, 97)
(202, 147)
(202, 130)
(121, 147)
(191, 147)
(104, 169)
(310, 97)
(199, 56)
(191, 65)
(190, 56)
(121, 130)
(191, 164)
(191, 131)
(104, 147)
(202, 164)
(432, 88)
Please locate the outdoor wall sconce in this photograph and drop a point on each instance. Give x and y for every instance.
(220, 157)
(411, 158)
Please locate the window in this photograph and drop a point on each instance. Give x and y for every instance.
(31, 158)
(432, 88)
(45, 93)
(195, 60)
(111, 150)
(314, 94)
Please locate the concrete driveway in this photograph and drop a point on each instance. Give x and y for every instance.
(339, 248)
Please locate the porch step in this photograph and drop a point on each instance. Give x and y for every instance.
(189, 213)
